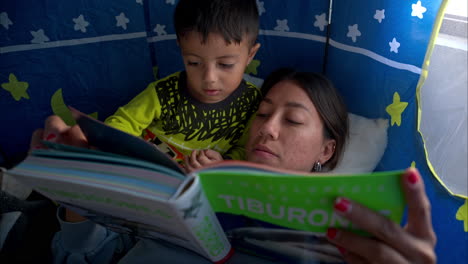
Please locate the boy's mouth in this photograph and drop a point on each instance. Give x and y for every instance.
(211, 92)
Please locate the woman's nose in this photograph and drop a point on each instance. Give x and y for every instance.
(270, 129)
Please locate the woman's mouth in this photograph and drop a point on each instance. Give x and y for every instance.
(265, 152)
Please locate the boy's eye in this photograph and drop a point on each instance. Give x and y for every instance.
(226, 65)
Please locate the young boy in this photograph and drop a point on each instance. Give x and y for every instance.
(208, 105)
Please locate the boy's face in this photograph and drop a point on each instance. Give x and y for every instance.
(215, 68)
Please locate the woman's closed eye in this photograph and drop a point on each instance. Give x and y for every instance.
(293, 122)
(192, 63)
(262, 115)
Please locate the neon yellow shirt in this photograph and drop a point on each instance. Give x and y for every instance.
(167, 115)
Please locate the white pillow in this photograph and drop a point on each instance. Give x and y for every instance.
(365, 146)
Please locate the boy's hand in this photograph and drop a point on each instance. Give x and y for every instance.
(201, 158)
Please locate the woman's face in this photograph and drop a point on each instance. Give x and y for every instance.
(287, 131)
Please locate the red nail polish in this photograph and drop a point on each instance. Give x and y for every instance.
(342, 205)
(342, 250)
(51, 136)
(331, 233)
(412, 177)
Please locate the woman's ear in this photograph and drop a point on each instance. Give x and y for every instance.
(253, 51)
(328, 149)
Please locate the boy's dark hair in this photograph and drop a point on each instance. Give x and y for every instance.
(233, 19)
(327, 101)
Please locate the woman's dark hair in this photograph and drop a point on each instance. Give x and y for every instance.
(233, 19)
(326, 99)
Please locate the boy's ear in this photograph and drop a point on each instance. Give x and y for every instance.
(253, 51)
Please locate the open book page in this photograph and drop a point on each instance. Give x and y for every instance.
(112, 140)
(285, 214)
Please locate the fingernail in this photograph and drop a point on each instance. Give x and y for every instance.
(342, 205)
(342, 250)
(331, 233)
(412, 177)
(51, 136)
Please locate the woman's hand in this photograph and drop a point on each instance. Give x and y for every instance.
(390, 243)
(201, 158)
(55, 130)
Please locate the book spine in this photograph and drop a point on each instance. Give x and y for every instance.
(200, 220)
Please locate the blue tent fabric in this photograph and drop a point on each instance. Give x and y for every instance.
(97, 55)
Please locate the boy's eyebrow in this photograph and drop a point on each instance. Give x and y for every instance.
(288, 104)
(220, 57)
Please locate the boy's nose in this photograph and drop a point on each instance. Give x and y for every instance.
(210, 74)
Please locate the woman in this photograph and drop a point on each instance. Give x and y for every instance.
(301, 124)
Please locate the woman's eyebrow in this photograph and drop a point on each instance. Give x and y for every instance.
(288, 104)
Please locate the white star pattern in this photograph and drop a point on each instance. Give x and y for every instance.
(4, 20)
(394, 45)
(261, 7)
(139, 2)
(284, 199)
(418, 10)
(312, 189)
(80, 23)
(282, 25)
(160, 30)
(353, 32)
(122, 21)
(327, 189)
(39, 37)
(379, 15)
(258, 186)
(244, 184)
(171, 2)
(321, 21)
(271, 197)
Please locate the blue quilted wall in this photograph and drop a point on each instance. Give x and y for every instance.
(97, 55)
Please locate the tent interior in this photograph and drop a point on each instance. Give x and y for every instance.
(401, 65)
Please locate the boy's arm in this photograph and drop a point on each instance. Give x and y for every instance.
(237, 152)
(138, 114)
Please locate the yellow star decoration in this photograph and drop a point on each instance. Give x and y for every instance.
(462, 215)
(413, 164)
(16, 88)
(395, 109)
(61, 109)
(252, 68)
